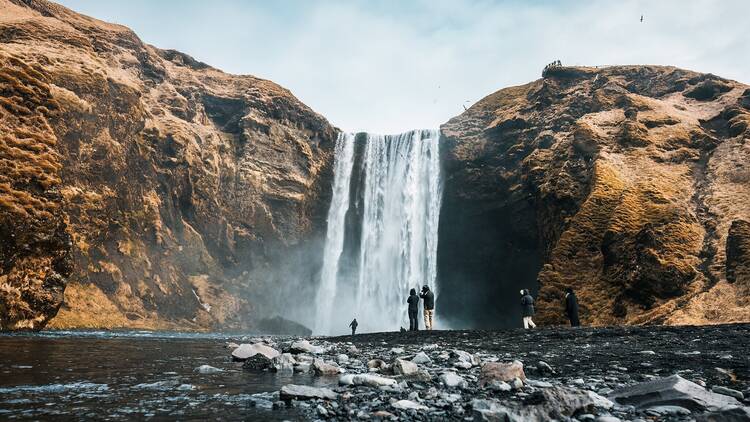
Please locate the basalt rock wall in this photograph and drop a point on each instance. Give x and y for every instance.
(630, 184)
(154, 190)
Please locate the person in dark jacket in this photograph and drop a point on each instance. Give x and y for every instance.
(571, 307)
(354, 325)
(527, 309)
(429, 306)
(413, 302)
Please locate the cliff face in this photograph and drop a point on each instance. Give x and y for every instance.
(630, 184)
(160, 188)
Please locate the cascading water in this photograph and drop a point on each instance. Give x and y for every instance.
(393, 216)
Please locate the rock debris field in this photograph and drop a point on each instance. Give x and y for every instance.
(589, 374)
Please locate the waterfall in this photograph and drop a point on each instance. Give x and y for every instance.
(394, 207)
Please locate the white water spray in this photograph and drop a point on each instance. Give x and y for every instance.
(401, 194)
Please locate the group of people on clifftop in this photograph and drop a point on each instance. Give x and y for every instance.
(527, 309)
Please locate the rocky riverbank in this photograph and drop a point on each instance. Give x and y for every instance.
(589, 374)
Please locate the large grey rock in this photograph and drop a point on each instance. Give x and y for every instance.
(207, 369)
(501, 372)
(257, 362)
(727, 414)
(304, 392)
(728, 392)
(673, 390)
(465, 357)
(553, 403)
(404, 367)
(245, 351)
(284, 363)
(369, 380)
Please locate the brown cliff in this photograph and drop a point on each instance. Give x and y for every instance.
(159, 187)
(629, 183)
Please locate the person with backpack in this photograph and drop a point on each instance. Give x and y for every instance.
(354, 325)
(429, 306)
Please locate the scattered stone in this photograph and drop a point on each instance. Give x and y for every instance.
(383, 414)
(257, 362)
(369, 380)
(321, 410)
(606, 418)
(245, 351)
(465, 357)
(430, 347)
(302, 367)
(544, 368)
(404, 367)
(322, 368)
(304, 392)
(376, 364)
(397, 351)
(728, 392)
(283, 363)
(421, 358)
(207, 369)
(496, 385)
(342, 358)
(673, 390)
(539, 384)
(727, 414)
(516, 384)
(501, 372)
(408, 404)
(550, 403)
(452, 380)
(667, 410)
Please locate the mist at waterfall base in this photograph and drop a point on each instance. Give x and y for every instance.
(381, 236)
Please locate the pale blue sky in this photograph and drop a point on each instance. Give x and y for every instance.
(390, 66)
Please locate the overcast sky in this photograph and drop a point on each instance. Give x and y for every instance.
(390, 66)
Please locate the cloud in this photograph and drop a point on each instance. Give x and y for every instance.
(390, 66)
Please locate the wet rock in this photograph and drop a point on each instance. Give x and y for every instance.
(550, 403)
(284, 363)
(606, 418)
(404, 367)
(207, 369)
(496, 385)
(544, 368)
(728, 392)
(465, 357)
(382, 414)
(727, 414)
(302, 367)
(667, 410)
(304, 346)
(342, 358)
(408, 404)
(673, 390)
(245, 351)
(322, 368)
(257, 362)
(421, 358)
(369, 380)
(452, 380)
(303, 392)
(501, 372)
(397, 350)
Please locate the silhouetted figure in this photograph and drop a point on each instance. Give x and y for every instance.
(429, 306)
(354, 325)
(527, 309)
(413, 302)
(641, 18)
(571, 307)
(403, 330)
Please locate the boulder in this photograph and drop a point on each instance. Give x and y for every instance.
(673, 390)
(551, 403)
(421, 358)
(369, 380)
(501, 371)
(303, 392)
(727, 414)
(302, 367)
(245, 351)
(322, 368)
(728, 392)
(404, 367)
(465, 357)
(257, 362)
(408, 404)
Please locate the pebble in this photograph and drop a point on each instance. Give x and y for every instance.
(728, 392)
(452, 380)
(421, 358)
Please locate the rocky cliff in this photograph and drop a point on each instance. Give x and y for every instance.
(158, 189)
(630, 184)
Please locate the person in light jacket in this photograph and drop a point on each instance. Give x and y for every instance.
(429, 306)
(527, 309)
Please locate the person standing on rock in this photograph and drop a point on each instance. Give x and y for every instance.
(429, 306)
(354, 325)
(571, 307)
(413, 302)
(527, 309)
